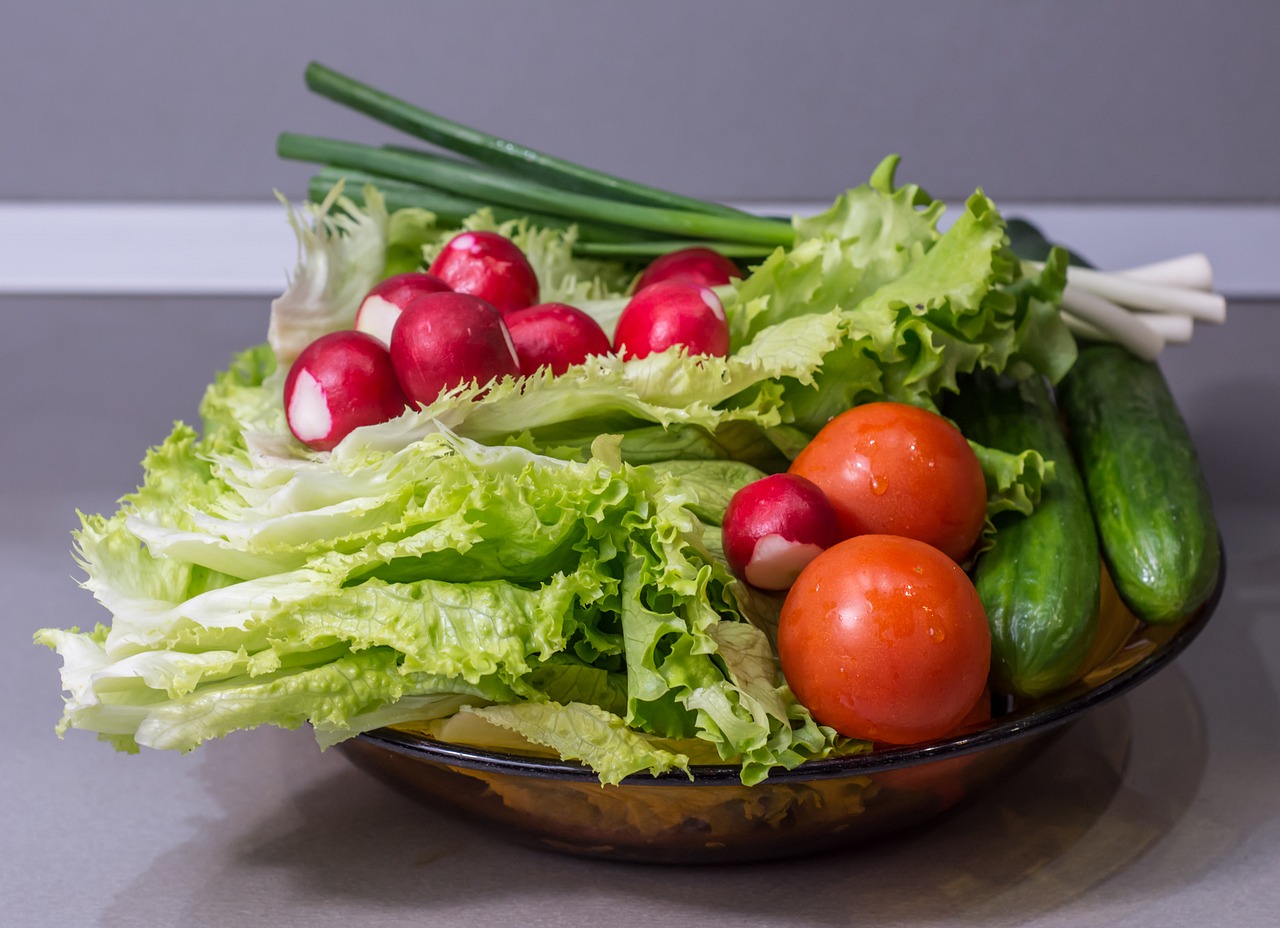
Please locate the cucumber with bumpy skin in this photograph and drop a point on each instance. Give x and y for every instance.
(1039, 579)
(1149, 495)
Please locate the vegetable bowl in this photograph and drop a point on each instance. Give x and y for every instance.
(710, 817)
(722, 567)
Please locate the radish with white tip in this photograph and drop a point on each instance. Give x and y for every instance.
(554, 335)
(668, 314)
(446, 339)
(490, 266)
(774, 527)
(338, 383)
(698, 265)
(382, 306)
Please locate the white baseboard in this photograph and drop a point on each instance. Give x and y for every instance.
(171, 248)
(248, 249)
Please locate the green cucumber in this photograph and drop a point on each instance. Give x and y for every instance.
(1148, 492)
(1039, 579)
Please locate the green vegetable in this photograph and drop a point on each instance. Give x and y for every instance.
(510, 191)
(539, 554)
(1039, 575)
(339, 260)
(492, 150)
(442, 575)
(1149, 495)
(1030, 244)
(510, 177)
(453, 210)
(918, 307)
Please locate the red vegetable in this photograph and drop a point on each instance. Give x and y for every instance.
(884, 638)
(895, 469)
(489, 266)
(702, 266)
(382, 306)
(338, 383)
(447, 339)
(670, 314)
(774, 527)
(554, 335)
(947, 780)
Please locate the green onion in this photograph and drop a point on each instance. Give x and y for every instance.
(454, 209)
(504, 190)
(491, 150)
(398, 195)
(658, 247)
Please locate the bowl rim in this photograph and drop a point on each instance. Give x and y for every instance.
(1038, 718)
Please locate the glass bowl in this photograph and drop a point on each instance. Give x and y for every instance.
(712, 818)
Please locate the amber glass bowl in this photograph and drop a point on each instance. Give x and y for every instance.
(712, 818)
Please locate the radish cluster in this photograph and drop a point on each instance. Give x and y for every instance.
(474, 317)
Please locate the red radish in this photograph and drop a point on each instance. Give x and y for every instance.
(338, 383)
(702, 266)
(446, 339)
(672, 313)
(554, 335)
(382, 306)
(774, 527)
(490, 266)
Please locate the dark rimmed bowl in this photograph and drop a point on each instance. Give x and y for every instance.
(712, 818)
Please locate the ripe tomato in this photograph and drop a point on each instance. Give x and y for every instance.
(895, 469)
(947, 780)
(884, 638)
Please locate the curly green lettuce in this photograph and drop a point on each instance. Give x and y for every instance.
(536, 558)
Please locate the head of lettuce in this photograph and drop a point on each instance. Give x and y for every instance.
(539, 556)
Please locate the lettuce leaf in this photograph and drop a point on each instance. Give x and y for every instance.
(494, 577)
(341, 255)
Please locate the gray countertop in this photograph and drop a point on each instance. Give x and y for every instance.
(1160, 808)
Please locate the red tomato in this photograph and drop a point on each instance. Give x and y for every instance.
(895, 469)
(948, 779)
(978, 715)
(884, 638)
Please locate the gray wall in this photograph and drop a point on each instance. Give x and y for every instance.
(1101, 99)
